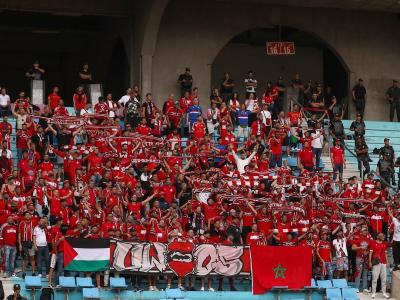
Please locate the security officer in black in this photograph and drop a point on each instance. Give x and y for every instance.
(361, 149)
(385, 169)
(393, 95)
(358, 127)
(388, 151)
(336, 128)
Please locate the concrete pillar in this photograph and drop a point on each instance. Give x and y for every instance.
(146, 72)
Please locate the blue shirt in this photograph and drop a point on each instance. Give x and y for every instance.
(194, 111)
(243, 117)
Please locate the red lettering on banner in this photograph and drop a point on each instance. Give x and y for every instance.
(180, 258)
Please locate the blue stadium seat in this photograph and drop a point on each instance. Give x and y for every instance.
(84, 282)
(324, 284)
(118, 283)
(66, 283)
(174, 294)
(349, 294)
(90, 293)
(333, 294)
(33, 283)
(339, 283)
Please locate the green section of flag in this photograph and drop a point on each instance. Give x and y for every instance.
(88, 265)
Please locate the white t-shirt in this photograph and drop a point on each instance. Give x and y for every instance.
(40, 235)
(396, 233)
(4, 100)
(124, 99)
(340, 247)
(319, 141)
(266, 117)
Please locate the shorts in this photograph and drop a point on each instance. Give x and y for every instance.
(27, 249)
(342, 264)
(53, 260)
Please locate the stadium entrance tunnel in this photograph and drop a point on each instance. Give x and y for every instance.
(61, 44)
(313, 60)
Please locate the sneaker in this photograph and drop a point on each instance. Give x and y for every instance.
(386, 296)
(34, 274)
(202, 289)
(220, 289)
(155, 288)
(23, 275)
(17, 270)
(373, 296)
(14, 275)
(396, 268)
(233, 289)
(366, 291)
(168, 286)
(193, 289)
(39, 275)
(211, 289)
(151, 288)
(181, 287)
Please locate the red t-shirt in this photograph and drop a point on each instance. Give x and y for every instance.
(306, 156)
(276, 146)
(324, 249)
(379, 251)
(54, 100)
(338, 155)
(9, 234)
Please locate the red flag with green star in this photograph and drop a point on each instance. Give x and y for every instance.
(280, 266)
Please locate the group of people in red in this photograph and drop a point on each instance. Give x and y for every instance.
(132, 170)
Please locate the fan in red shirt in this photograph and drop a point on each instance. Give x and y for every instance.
(199, 128)
(142, 128)
(306, 158)
(324, 254)
(53, 100)
(101, 107)
(255, 237)
(338, 160)
(79, 99)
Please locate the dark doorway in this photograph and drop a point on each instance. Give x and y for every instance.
(117, 76)
(313, 60)
(60, 43)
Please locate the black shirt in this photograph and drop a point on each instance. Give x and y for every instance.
(394, 93)
(84, 81)
(37, 75)
(359, 91)
(235, 232)
(226, 89)
(63, 139)
(186, 80)
(358, 127)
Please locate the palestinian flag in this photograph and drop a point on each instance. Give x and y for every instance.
(86, 255)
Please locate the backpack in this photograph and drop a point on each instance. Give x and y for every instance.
(47, 294)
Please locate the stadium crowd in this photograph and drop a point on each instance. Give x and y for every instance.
(203, 170)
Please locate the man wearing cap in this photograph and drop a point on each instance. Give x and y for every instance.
(359, 94)
(393, 96)
(16, 295)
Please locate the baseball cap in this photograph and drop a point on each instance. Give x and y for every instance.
(17, 287)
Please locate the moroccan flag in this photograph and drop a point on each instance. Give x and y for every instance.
(86, 255)
(280, 266)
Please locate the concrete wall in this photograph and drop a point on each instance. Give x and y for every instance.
(192, 33)
(238, 59)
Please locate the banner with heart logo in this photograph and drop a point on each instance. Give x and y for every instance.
(181, 258)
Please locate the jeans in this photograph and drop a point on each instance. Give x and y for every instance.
(276, 160)
(361, 274)
(379, 270)
(10, 253)
(317, 153)
(337, 169)
(19, 153)
(329, 270)
(43, 256)
(60, 265)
